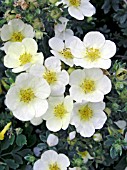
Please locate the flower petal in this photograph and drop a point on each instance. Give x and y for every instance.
(53, 63)
(63, 161)
(104, 85)
(16, 24)
(30, 45)
(54, 124)
(94, 39)
(56, 44)
(87, 9)
(24, 112)
(76, 13)
(108, 50)
(6, 32)
(40, 107)
(28, 31)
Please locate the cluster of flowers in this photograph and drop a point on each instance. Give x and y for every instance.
(45, 91)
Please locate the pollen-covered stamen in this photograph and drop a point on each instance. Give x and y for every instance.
(75, 3)
(92, 54)
(26, 95)
(50, 76)
(66, 53)
(85, 113)
(54, 166)
(25, 58)
(60, 111)
(17, 37)
(88, 86)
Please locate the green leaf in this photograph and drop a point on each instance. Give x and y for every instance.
(11, 163)
(21, 140)
(113, 153)
(2, 167)
(12, 139)
(24, 152)
(17, 158)
(5, 144)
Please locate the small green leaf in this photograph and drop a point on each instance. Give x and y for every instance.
(11, 163)
(21, 140)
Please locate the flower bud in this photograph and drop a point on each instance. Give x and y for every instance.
(121, 74)
(39, 35)
(53, 1)
(72, 135)
(55, 13)
(52, 140)
(97, 137)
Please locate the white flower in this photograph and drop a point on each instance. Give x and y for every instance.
(87, 116)
(61, 49)
(89, 84)
(15, 31)
(21, 55)
(52, 73)
(86, 156)
(59, 112)
(94, 51)
(97, 137)
(36, 121)
(61, 31)
(51, 160)
(80, 8)
(52, 140)
(72, 135)
(27, 97)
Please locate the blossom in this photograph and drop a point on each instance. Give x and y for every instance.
(61, 31)
(61, 49)
(21, 55)
(5, 129)
(94, 51)
(79, 8)
(15, 31)
(51, 72)
(87, 116)
(51, 160)
(27, 97)
(89, 84)
(52, 140)
(59, 112)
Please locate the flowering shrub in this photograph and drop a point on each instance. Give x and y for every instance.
(63, 88)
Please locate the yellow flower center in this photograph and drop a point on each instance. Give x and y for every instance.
(66, 53)
(88, 86)
(93, 54)
(54, 167)
(50, 76)
(60, 111)
(75, 3)
(25, 58)
(17, 37)
(85, 113)
(26, 95)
